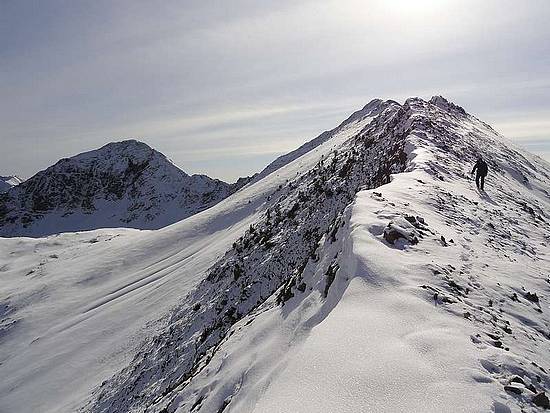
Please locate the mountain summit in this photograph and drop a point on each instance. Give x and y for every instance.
(122, 184)
(365, 272)
(354, 122)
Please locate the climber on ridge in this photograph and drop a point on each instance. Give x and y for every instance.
(482, 170)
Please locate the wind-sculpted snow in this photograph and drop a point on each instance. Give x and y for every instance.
(123, 184)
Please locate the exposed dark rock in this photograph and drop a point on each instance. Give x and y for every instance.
(331, 274)
(513, 389)
(517, 379)
(541, 400)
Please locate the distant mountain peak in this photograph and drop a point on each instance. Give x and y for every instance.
(121, 184)
(130, 148)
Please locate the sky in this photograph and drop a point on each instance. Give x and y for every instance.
(224, 87)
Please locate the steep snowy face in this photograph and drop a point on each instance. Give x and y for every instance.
(7, 182)
(123, 184)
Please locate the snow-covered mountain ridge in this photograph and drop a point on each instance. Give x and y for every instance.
(122, 184)
(362, 116)
(287, 259)
(366, 274)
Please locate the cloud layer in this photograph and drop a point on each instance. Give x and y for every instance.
(224, 87)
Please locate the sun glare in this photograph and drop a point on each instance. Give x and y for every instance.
(410, 7)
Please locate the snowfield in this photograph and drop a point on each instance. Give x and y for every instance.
(365, 273)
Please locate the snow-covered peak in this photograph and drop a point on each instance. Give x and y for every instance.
(128, 147)
(116, 156)
(353, 124)
(122, 184)
(371, 109)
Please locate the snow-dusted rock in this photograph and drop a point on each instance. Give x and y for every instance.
(8, 182)
(355, 121)
(122, 184)
(400, 228)
(541, 400)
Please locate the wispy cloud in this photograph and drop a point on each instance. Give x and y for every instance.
(202, 81)
(526, 129)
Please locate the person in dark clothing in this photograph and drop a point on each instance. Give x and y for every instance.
(482, 169)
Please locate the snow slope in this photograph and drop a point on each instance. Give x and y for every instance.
(415, 326)
(367, 274)
(122, 184)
